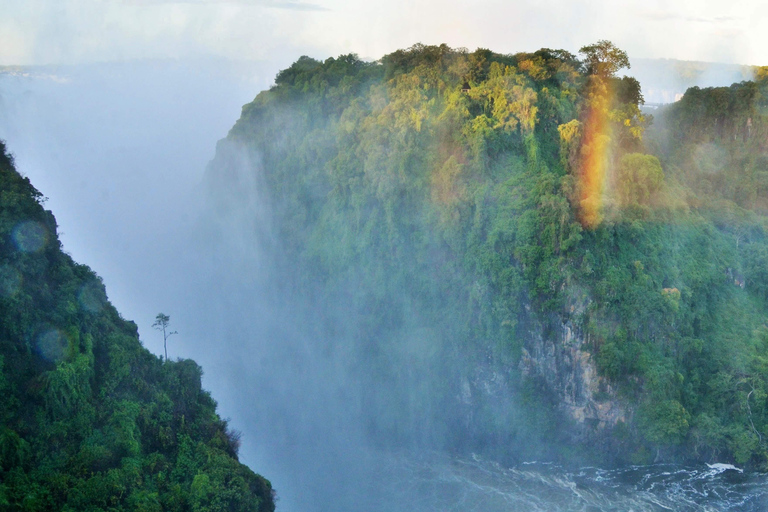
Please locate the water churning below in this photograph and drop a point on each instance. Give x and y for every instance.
(437, 483)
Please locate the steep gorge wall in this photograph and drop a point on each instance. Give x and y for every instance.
(446, 206)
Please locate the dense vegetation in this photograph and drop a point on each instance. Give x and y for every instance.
(459, 203)
(90, 420)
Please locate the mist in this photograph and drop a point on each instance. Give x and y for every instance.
(121, 152)
(666, 80)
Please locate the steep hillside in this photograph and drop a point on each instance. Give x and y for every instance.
(518, 273)
(90, 420)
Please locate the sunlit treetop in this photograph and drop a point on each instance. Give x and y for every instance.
(604, 58)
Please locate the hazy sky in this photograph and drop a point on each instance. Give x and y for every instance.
(76, 31)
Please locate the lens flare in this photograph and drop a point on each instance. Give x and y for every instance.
(92, 297)
(52, 344)
(30, 236)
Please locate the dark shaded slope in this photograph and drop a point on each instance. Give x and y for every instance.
(90, 420)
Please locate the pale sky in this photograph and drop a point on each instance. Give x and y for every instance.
(82, 31)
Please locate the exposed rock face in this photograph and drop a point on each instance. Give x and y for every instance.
(555, 354)
(558, 355)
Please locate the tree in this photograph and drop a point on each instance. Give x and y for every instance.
(604, 59)
(638, 178)
(161, 324)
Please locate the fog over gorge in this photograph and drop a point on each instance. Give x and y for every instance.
(120, 151)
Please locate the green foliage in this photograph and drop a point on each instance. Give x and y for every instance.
(89, 419)
(432, 198)
(638, 177)
(628, 91)
(431, 195)
(604, 58)
(664, 422)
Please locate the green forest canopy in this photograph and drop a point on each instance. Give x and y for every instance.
(449, 180)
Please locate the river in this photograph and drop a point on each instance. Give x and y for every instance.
(435, 483)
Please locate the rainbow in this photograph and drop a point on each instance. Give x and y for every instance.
(594, 156)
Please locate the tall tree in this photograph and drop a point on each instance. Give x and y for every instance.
(161, 324)
(604, 59)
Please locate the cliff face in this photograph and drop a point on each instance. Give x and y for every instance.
(90, 420)
(562, 358)
(520, 266)
(557, 355)
(432, 188)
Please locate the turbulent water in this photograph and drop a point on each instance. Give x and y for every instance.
(471, 484)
